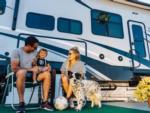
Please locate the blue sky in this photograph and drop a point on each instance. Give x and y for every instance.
(146, 1)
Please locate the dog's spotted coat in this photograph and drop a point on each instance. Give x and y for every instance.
(86, 89)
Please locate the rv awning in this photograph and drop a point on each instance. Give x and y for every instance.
(134, 3)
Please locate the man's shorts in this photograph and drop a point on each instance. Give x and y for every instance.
(29, 74)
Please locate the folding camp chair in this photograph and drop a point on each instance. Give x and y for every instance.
(28, 85)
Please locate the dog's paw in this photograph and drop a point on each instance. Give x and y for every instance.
(78, 108)
(92, 104)
(100, 105)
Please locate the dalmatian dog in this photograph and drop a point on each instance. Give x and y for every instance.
(85, 90)
(92, 91)
(78, 91)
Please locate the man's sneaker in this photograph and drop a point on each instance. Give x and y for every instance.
(47, 106)
(21, 108)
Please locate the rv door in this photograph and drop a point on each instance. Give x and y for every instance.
(138, 43)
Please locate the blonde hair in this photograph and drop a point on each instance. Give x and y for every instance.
(76, 52)
(40, 51)
(77, 56)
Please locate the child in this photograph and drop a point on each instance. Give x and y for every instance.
(41, 62)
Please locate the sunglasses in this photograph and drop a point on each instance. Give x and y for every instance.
(69, 53)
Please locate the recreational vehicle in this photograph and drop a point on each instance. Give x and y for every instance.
(113, 36)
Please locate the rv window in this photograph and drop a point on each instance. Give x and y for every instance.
(2, 6)
(69, 26)
(138, 40)
(40, 21)
(106, 24)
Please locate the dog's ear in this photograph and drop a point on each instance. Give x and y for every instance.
(77, 75)
(70, 74)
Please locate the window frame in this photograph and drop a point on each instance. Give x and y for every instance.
(69, 23)
(107, 34)
(52, 18)
(136, 41)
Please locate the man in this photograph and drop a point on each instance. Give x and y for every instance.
(21, 63)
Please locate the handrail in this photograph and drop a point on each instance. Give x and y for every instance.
(138, 58)
(147, 41)
(146, 38)
(15, 15)
(56, 38)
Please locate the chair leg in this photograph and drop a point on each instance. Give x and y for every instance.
(52, 88)
(40, 94)
(5, 90)
(12, 87)
(12, 104)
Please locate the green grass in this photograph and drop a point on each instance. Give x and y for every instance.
(87, 109)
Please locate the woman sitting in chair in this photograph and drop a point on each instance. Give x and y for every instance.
(74, 65)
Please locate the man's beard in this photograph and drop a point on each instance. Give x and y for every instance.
(29, 51)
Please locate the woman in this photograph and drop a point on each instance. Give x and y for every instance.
(74, 65)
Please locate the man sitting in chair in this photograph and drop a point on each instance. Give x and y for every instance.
(21, 63)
